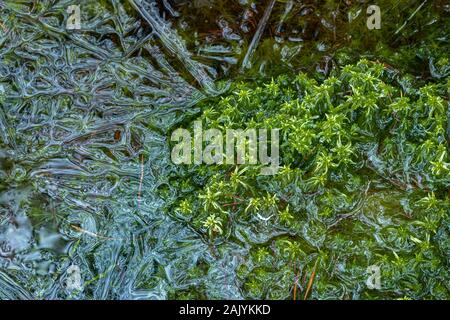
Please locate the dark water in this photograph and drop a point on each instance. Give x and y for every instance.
(84, 160)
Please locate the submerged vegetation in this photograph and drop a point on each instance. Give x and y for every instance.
(364, 181)
(87, 185)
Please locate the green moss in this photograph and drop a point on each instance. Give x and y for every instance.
(364, 179)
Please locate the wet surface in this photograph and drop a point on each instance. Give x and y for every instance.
(85, 165)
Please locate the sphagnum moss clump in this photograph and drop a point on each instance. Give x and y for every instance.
(364, 181)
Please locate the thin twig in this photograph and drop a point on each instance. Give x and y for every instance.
(296, 284)
(231, 204)
(92, 234)
(311, 279)
(410, 17)
(141, 179)
(175, 45)
(261, 25)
